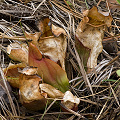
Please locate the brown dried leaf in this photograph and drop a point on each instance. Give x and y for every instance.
(33, 36)
(49, 45)
(70, 101)
(51, 91)
(44, 27)
(30, 95)
(12, 74)
(54, 48)
(91, 38)
(29, 71)
(97, 19)
(83, 23)
(57, 31)
(89, 35)
(18, 52)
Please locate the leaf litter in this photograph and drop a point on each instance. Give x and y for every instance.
(57, 31)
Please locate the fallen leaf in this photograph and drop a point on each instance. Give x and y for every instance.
(54, 48)
(70, 101)
(51, 91)
(51, 41)
(89, 35)
(18, 52)
(57, 31)
(30, 94)
(44, 27)
(33, 36)
(29, 71)
(12, 74)
(97, 19)
(48, 70)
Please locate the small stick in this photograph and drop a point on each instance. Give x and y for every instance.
(113, 60)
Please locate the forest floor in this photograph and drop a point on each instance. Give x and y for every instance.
(98, 87)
